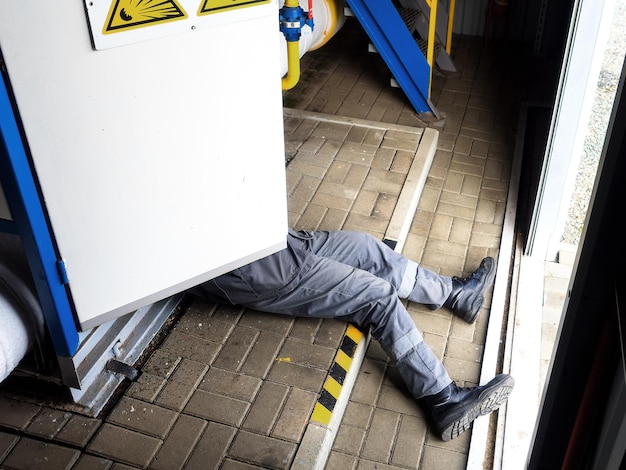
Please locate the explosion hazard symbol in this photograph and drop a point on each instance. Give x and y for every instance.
(131, 14)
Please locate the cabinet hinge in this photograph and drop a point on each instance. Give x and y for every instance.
(62, 269)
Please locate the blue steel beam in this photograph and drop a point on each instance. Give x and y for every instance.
(393, 41)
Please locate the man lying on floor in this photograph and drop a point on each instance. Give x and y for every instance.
(354, 277)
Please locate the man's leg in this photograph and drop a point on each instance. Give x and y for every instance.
(335, 290)
(363, 251)
(464, 296)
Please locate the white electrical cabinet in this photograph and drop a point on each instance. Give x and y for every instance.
(156, 149)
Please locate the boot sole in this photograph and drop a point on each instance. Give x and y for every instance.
(490, 400)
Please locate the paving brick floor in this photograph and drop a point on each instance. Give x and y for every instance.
(231, 388)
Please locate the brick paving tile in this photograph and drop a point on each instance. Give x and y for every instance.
(460, 231)
(17, 414)
(371, 224)
(236, 348)
(161, 363)
(327, 153)
(333, 218)
(385, 205)
(434, 323)
(297, 376)
(411, 435)
(276, 324)
(262, 450)
(338, 190)
(211, 448)
(330, 333)
(402, 162)
(461, 370)
(7, 441)
(380, 436)
(79, 430)
(353, 175)
(313, 216)
(231, 384)
(349, 439)
(199, 324)
(365, 202)
(143, 417)
(181, 385)
(48, 423)
(306, 329)
(312, 144)
(262, 355)
(307, 354)
(190, 346)
(339, 461)
(295, 415)
(217, 408)
(146, 387)
(178, 444)
(467, 350)
(395, 397)
(433, 456)
(92, 462)
(304, 130)
(123, 445)
(336, 130)
(357, 134)
(234, 465)
(227, 313)
(365, 464)
(325, 201)
(456, 251)
(357, 415)
(266, 407)
(302, 193)
(384, 159)
(368, 382)
(297, 167)
(34, 454)
(357, 154)
(121, 466)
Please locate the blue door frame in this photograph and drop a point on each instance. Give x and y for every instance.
(30, 223)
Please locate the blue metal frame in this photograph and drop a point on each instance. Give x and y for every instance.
(393, 41)
(31, 225)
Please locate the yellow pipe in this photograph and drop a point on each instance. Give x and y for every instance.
(293, 56)
(450, 25)
(330, 19)
(293, 64)
(430, 53)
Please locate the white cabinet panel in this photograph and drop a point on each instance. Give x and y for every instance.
(161, 162)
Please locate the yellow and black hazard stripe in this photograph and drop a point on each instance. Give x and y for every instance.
(337, 375)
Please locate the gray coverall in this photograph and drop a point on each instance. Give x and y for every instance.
(348, 276)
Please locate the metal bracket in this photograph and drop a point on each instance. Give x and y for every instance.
(118, 367)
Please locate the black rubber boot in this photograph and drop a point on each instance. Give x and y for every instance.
(454, 409)
(468, 294)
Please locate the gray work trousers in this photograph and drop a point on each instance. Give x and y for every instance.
(348, 276)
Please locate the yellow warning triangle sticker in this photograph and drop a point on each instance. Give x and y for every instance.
(131, 14)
